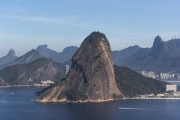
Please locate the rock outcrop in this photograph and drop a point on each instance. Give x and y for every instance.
(9, 58)
(91, 77)
(46, 52)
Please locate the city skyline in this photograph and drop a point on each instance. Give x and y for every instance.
(60, 23)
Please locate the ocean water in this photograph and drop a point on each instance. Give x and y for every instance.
(17, 104)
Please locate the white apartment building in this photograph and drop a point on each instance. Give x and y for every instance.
(171, 88)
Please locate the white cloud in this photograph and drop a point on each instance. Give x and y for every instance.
(41, 19)
(69, 21)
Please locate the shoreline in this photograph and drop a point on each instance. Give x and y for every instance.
(75, 102)
(24, 86)
(100, 101)
(155, 98)
(90, 101)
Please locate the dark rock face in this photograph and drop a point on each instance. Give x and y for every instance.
(159, 48)
(92, 68)
(91, 77)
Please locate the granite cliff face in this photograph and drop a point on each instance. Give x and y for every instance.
(91, 77)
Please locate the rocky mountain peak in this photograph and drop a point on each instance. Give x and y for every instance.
(91, 76)
(8, 59)
(42, 46)
(11, 52)
(96, 37)
(158, 39)
(158, 42)
(158, 47)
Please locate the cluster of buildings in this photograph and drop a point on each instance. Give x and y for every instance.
(167, 76)
(41, 83)
(171, 93)
(161, 76)
(150, 74)
(47, 82)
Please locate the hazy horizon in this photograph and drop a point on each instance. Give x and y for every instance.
(60, 23)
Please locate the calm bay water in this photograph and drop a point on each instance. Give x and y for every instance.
(17, 104)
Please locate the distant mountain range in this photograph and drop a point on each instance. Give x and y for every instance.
(61, 57)
(37, 65)
(120, 56)
(161, 57)
(42, 51)
(43, 63)
(27, 58)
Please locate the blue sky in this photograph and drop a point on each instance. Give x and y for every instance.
(25, 24)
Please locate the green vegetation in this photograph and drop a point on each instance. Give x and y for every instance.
(115, 96)
(74, 95)
(19, 74)
(133, 84)
(10, 74)
(43, 90)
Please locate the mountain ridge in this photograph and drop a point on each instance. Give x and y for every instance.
(61, 57)
(38, 70)
(161, 57)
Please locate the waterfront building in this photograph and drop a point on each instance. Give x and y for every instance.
(171, 88)
(47, 82)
